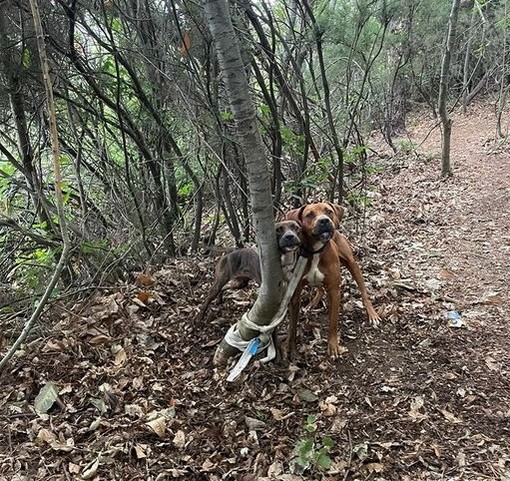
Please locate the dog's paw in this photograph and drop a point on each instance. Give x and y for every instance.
(335, 350)
(374, 318)
(375, 321)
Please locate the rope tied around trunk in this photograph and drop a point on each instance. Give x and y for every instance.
(265, 339)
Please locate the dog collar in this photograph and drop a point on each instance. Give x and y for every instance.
(308, 253)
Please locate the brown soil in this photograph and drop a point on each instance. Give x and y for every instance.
(423, 397)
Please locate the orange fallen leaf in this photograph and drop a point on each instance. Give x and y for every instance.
(144, 280)
(144, 296)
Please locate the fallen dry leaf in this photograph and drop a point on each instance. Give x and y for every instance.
(47, 396)
(416, 404)
(450, 417)
(140, 451)
(158, 425)
(492, 298)
(120, 357)
(374, 467)
(144, 280)
(179, 440)
(100, 339)
(90, 470)
(492, 364)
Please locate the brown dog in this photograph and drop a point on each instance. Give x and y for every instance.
(243, 265)
(348, 260)
(327, 250)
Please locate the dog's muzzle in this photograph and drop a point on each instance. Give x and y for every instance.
(289, 242)
(323, 229)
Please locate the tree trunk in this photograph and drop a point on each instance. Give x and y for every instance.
(398, 87)
(339, 172)
(504, 85)
(236, 84)
(467, 56)
(15, 92)
(446, 121)
(59, 202)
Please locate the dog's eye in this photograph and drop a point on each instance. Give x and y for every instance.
(310, 215)
(329, 212)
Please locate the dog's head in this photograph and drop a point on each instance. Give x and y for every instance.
(318, 220)
(288, 234)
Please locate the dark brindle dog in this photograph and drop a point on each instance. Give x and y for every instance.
(243, 265)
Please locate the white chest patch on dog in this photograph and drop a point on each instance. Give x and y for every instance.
(288, 261)
(314, 276)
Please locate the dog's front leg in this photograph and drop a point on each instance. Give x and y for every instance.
(333, 297)
(294, 306)
(355, 271)
(347, 258)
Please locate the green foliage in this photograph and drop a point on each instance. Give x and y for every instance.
(293, 143)
(33, 268)
(311, 451)
(66, 192)
(226, 116)
(107, 64)
(265, 111)
(503, 22)
(318, 173)
(64, 160)
(374, 168)
(358, 199)
(26, 58)
(116, 25)
(185, 189)
(89, 247)
(406, 146)
(354, 154)
(7, 170)
(315, 178)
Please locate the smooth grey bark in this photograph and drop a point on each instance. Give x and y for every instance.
(238, 92)
(446, 121)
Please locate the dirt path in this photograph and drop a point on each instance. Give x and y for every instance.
(477, 239)
(456, 232)
(450, 247)
(423, 397)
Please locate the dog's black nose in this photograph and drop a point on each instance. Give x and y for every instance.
(289, 236)
(324, 221)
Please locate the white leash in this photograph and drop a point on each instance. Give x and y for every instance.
(264, 340)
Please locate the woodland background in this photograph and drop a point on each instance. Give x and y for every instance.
(116, 380)
(150, 161)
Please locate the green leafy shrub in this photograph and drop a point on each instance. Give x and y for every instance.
(312, 452)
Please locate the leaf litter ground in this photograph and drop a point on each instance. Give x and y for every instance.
(134, 395)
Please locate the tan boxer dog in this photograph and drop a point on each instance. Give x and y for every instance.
(327, 250)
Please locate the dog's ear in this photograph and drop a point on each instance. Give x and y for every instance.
(295, 214)
(338, 210)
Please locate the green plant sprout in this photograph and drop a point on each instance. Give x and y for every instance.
(312, 452)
